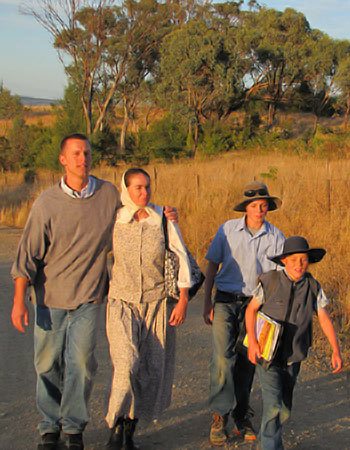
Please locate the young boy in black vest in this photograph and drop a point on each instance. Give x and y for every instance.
(290, 296)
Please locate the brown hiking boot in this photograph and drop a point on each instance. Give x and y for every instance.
(218, 435)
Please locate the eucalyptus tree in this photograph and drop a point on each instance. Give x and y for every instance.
(342, 81)
(81, 31)
(277, 45)
(322, 70)
(198, 74)
(146, 23)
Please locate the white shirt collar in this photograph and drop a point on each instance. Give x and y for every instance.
(86, 192)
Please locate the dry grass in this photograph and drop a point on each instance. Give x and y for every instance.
(43, 115)
(314, 205)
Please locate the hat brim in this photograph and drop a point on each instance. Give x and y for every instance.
(274, 203)
(314, 254)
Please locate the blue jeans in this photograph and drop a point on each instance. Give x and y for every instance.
(64, 344)
(277, 385)
(231, 374)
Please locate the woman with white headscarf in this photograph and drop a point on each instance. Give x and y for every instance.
(140, 322)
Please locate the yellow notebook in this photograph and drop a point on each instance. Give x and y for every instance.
(267, 332)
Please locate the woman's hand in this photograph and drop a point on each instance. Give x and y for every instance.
(171, 214)
(178, 314)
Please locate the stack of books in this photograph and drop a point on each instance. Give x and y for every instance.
(267, 332)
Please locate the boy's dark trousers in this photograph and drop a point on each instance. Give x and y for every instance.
(277, 385)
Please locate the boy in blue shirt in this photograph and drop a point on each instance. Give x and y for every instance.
(289, 296)
(236, 257)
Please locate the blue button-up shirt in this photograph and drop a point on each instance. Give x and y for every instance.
(243, 257)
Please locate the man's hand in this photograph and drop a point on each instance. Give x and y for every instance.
(337, 362)
(253, 351)
(20, 316)
(208, 314)
(171, 214)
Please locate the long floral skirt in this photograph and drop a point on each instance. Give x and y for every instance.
(142, 349)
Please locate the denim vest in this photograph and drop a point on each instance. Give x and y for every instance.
(292, 304)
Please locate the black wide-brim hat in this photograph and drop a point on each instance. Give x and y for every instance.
(256, 190)
(298, 244)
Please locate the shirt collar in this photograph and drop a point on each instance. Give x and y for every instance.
(86, 192)
(265, 228)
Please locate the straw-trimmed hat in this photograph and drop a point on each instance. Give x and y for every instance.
(256, 190)
(298, 244)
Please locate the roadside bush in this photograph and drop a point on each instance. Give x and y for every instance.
(166, 139)
(217, 138)
(29, 176)
(105, 147)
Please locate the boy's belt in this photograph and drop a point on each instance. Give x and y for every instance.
(230, 297)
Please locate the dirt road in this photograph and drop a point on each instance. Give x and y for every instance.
(320, 419)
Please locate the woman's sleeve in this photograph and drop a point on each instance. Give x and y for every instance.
(177, 245)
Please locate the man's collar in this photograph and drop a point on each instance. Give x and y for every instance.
(86, 192)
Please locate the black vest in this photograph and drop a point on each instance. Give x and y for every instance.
(291, 304)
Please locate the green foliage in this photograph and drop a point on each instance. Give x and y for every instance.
(105, 147)
(43, 148)
(200, 73)
(18, 140)
(10, 105)
(166, 139)
(271, 174)
(69, 113)
(250, 129)
(217, 138)
(199, 60)
(5, 154)
(29, 176)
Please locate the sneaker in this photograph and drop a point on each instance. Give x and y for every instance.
(49, 441)
(244, 429)
(75, 441)
(218, 435)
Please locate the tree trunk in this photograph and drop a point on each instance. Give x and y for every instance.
(346, 115)
(147, 117)
(271, 115)
(87, 116)
(195, 137)
(124, 130)
(314, 130)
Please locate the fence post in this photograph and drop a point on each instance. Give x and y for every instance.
(328, 184)
(197, 186)
(155, 175)
(328, 181)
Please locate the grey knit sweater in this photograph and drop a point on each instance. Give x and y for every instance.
(64, 246)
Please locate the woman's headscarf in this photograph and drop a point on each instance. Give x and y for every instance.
(127, 211)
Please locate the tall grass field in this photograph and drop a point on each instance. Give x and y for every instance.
(314, 192)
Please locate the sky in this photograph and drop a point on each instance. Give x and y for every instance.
(29, 65)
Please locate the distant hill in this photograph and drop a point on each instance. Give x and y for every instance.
(31, 101)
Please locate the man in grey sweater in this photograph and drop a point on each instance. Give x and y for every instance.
(62, 257)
